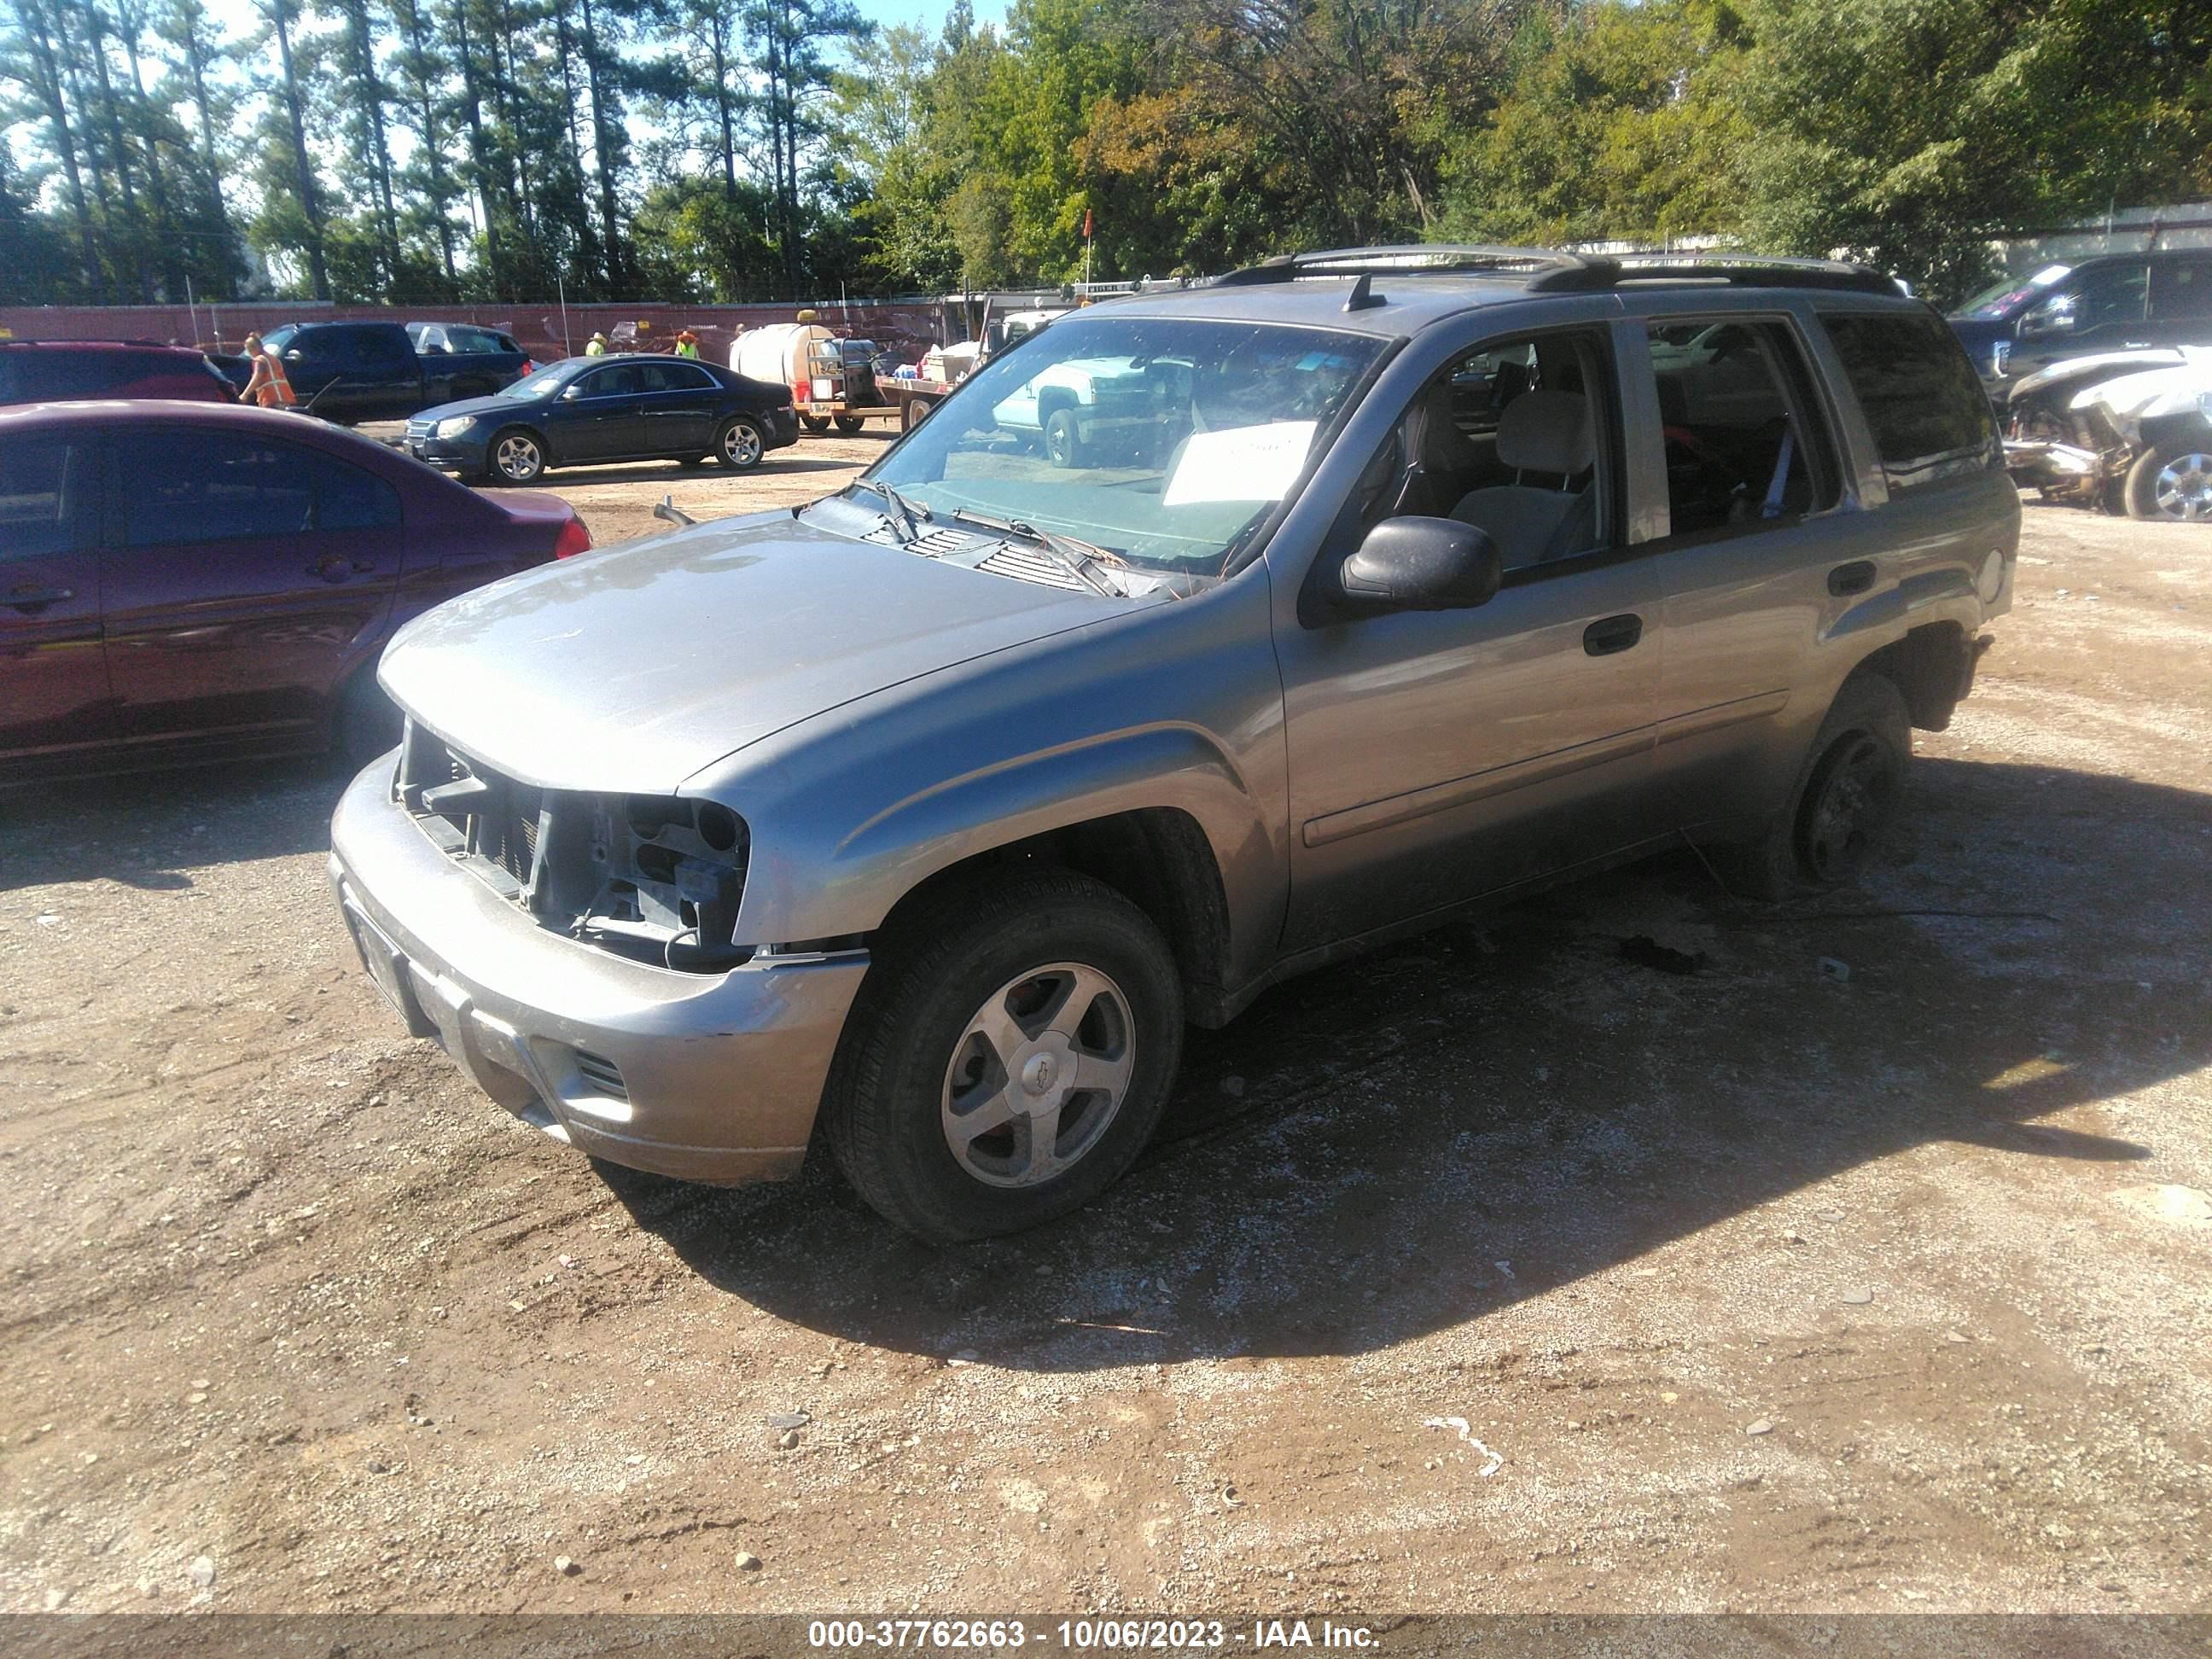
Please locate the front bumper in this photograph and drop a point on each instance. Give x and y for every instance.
(462, 454)
(703, 1077)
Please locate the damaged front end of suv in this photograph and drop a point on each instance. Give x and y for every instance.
(2124, 432)
(657, 878)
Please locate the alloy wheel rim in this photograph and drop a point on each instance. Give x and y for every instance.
(2184, 489)
(518, 457)
(1038, 1075)
(742, 445)
(1847, 810)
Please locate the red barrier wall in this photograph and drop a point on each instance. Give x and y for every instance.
(536, 327)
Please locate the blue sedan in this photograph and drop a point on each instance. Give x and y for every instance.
(636, 406)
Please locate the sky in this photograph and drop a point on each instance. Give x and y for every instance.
(237, 16)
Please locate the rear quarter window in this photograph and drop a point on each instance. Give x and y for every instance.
(1930, 417)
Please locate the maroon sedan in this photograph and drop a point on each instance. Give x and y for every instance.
(48, 371)
(182, 582)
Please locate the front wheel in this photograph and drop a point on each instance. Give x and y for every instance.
(1008, 1057)
(517, 458)
(1063, 439)
(915, 412)
(817, 424)
(2173, 483)
(740, 444)
(850, 425)
(1846, 800)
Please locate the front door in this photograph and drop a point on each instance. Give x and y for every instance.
(54, 700)
(599, 416)
(244, 581)
(2103, 308)
(677, 409)
(1437, 756)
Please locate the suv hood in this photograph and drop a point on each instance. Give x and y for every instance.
(630, 669)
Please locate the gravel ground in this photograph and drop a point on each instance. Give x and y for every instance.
(1494, 1273)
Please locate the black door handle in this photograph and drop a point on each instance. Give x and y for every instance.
(1611, 633)
(30, 598)
(1856, 577)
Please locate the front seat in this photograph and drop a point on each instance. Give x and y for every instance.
(1545, 433)
(1439, 453)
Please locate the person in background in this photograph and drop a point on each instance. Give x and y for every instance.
(267, 385)
(687, 344)
(597, 347)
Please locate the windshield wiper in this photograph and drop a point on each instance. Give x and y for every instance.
(1083, 558)
(903, 512)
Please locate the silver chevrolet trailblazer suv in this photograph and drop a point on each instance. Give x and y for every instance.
(1386, 582)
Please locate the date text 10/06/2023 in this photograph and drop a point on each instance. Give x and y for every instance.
(1084, 1635)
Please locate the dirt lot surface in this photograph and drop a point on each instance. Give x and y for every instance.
(1496, 1272)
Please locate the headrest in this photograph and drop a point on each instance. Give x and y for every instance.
(1546, 432)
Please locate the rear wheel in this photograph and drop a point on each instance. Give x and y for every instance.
(516, 457)
(740, 443)
(1010, 1055)
(915, 412)
(1844, 805)
(2172, 482)
(850, 424)
(818, 424)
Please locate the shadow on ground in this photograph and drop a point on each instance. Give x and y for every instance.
(1346, 1166)
(150, 830)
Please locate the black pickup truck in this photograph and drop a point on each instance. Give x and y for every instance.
(351, 372)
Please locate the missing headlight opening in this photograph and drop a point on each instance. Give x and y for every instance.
(656, 878)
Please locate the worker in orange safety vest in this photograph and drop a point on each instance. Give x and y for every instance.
(267, 385)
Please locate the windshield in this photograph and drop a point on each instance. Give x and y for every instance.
(1161, 440)
(543, 384)
(2002, 296)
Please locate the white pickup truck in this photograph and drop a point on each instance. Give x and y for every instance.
(1075, 409)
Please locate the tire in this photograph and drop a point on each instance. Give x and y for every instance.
(1063, 439)
(739, 443)
(817, 424)
(689, 462)
(515, 456)
(850, 425)
(1846, 800)
(913, 1063)
(915, 412)
(369, 722)
(2173, 483)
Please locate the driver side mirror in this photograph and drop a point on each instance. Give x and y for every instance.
(1412, 563)
(569, 394)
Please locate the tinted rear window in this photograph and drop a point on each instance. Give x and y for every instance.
(1930, 417)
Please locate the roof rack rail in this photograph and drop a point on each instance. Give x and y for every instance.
(1409, 258)
(1742, 270)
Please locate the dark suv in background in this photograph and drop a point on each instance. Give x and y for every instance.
(352, 372)
(2114, 302)
(63, 371)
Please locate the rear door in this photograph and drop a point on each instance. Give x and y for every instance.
(386, 373)
(2181, 301)
(54, 700)
(244, 577)
(599, 415)
(1760, 535)
(677, 409)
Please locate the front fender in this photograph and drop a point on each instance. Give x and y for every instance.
(1176, 709)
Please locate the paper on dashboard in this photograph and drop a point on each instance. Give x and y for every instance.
(1239, 464)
